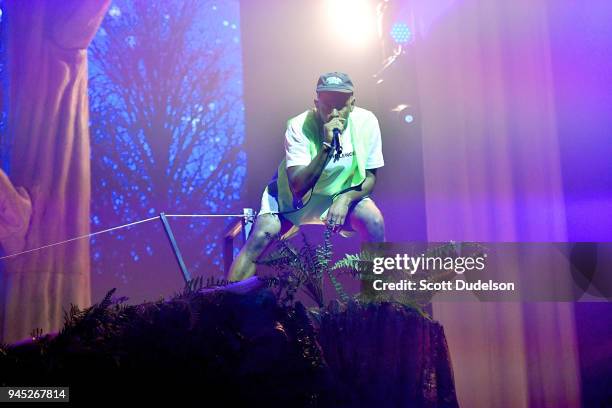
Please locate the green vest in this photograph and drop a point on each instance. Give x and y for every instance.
(361, 124)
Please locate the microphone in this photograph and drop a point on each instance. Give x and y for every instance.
(336, 144)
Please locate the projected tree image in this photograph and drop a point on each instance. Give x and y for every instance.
(167, 121)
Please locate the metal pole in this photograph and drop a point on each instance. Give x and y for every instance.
(175, 248)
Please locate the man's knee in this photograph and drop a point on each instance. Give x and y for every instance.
(266, 229)
(369, 217)
(375, 224)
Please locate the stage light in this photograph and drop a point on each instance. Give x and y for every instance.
(353, 22)
(400, 33)
(404, 113)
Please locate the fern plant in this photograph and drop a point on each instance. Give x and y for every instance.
(303, 269)
(299, 269)
(361, 265)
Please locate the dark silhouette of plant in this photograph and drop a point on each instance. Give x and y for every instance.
(360, 266)
(300, 269)
(303, 269)
(235, 349)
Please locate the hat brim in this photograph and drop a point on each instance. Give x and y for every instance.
(329, 89)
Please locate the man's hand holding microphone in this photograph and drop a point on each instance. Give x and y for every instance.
(336, 215)
(332, 130)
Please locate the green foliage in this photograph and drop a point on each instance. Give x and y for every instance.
(198, 284)
(356, 264)
(90, 320)
(299, 269)
(304, 269)
(235, 347)
(326, 255)
(360, 266)
(194, 285)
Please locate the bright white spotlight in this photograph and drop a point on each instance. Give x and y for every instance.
(352, 22)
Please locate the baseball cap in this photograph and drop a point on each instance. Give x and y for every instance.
(335, 82)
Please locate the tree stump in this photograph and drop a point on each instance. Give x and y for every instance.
(236, 344)
(386, 355)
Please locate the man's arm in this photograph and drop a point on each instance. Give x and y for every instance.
(362, 190)
(303, 178)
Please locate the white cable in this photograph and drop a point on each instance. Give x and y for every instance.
(204, 215)
(116, 228)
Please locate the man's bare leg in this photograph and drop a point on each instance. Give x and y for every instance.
(266, 227)
(367, 220)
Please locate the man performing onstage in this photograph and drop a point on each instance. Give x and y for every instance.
(331, 156)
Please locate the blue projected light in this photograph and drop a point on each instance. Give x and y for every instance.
(400, 33)
(191, 158)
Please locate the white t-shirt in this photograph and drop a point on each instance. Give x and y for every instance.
(297, 154)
